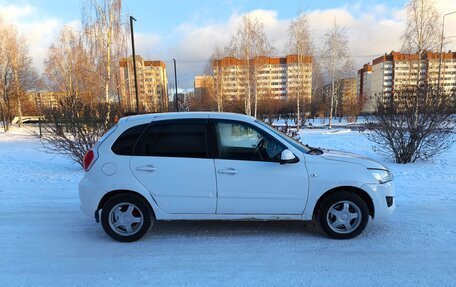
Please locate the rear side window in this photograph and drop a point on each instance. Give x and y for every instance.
(125, 143)
(180, 139)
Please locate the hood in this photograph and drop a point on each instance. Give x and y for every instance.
(352, 158)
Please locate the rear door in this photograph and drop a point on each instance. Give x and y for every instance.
(172, 161)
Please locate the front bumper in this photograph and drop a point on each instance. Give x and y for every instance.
(383, 198)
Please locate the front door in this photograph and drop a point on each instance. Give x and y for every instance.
(250, 179)
(173, 163)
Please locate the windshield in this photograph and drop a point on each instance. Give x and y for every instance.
(286, 138)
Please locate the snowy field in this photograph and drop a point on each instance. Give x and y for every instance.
(46, 241)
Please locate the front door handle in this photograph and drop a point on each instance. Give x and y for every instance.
(149, 168)
(228, 171)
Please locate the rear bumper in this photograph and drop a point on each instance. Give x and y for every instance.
(88, 197)
(381, 195)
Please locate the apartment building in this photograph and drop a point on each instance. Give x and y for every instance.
(203, 86)
(363, 87)
(395, 71)
(152, 85)
(45, 99)
(345, 93)
(278, 78)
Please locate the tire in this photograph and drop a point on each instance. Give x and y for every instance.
(343, 215)
(126, 217)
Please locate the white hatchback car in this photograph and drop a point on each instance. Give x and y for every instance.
(222, 166)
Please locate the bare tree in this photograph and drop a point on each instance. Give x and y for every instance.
(422, 28)
(105, 37)
(16, 73)
(353, 107)
(249, 42)
(69, 68)
(78, 70)
(336, 61)
(6, 74)
(394, 130)
(421, 34)
(300, 44)
(416, 122)
(270, 109)
(214, 70)
(73, 127)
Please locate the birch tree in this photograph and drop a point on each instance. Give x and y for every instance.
(299, 44)
(105, 37)
(69, 67)
(420, 35)
(335, 57)
(215, 71)
(422, 32)
(248, 42)
(6, 83)
(16, 73)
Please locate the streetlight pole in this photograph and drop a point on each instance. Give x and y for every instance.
(441, 47)
(134, 62)
(176, 98)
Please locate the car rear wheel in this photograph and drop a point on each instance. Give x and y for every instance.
(343, 215)
(126, 217)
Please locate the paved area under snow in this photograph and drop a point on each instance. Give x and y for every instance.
(46, 241)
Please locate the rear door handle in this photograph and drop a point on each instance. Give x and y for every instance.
(228, 171)
(148, 168)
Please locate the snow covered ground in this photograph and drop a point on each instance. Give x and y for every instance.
(46, 241)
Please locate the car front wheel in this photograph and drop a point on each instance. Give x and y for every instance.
(126, 217)
(343, 215)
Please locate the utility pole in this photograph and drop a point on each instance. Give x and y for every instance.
(176, 98)
(134, 62)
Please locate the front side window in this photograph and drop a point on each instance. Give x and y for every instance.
(178, 139)
(239, 141)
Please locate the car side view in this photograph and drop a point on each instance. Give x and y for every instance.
(223, 166)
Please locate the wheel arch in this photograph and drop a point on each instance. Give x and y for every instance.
(113, 193)
(356, 190)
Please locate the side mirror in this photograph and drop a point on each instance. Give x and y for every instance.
(287, 157)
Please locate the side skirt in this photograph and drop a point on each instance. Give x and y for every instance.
(247, 217)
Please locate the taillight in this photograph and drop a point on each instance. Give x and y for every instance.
(89, 159)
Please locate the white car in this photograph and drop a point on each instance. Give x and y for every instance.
(222, 166)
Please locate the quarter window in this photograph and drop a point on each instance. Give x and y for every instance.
(126, 142)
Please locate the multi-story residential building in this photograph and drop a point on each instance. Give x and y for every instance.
(203, 86)
(152, 85)
(205, 95)
(278, 78)
(396, 71)
(363, 87)
(45, 99)
(345, 93)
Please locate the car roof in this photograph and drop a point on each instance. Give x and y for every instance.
(185, 115)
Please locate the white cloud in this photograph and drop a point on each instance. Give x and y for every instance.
(370, 33)
(11, 13)
(37, 31)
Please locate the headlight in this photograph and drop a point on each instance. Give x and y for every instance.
(381, 175)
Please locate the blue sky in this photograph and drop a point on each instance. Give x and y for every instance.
(169, 14)
(189, 30)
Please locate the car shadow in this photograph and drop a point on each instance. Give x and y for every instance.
(221, 228)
